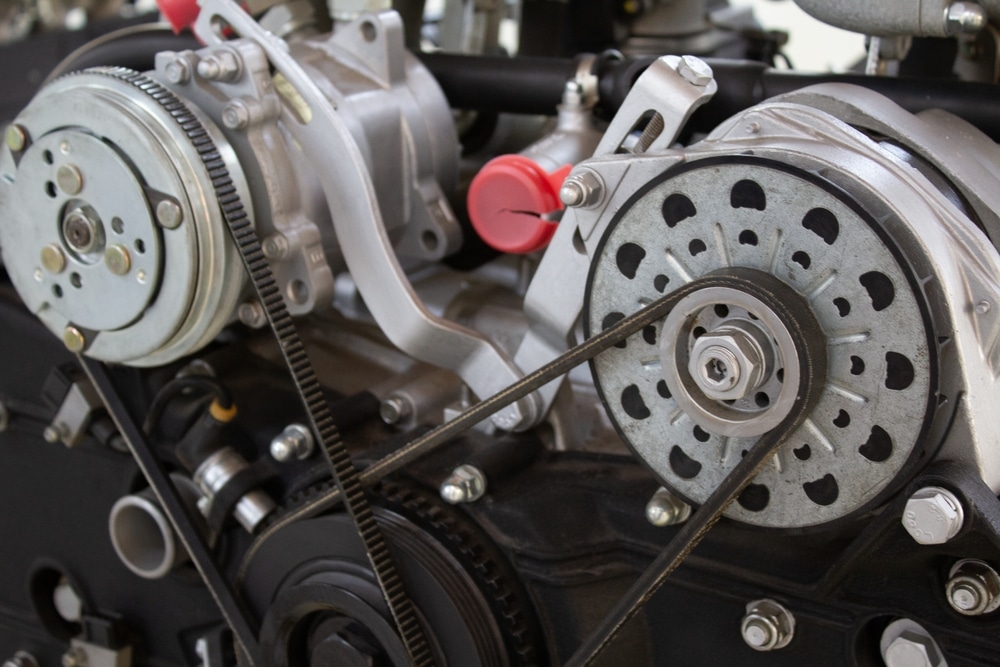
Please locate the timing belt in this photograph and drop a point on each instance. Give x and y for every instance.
(345, 474)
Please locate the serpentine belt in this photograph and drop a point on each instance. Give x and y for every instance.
(349, 483)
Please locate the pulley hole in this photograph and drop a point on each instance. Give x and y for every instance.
(117, 226)
(75, 281)
(429, 240)
(761, 399)
(697, 247)
(878, 447)
(628, 258)
(609, 321)
(677, 207)
(721, 310)
(843, 420)
(802, 259)
(843, 306)
(50, 189)
(700, 434)
(748, 194)
(823, 491)
(140, 246)
(47, 157)
(780, 374)
(662, 389)
(298, 292)
(660, 282)
(857, 365)
(823, 224)
(57, 291)
(748, 238)
(754, 498)
(649, 334)
(368, 31)
(683, 465)
(880, 289)
(802, 453)
(698, 332)
(898, 371)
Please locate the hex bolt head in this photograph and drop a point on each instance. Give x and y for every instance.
(973, 588)
(395, 409)
(296, 442)
(252, 314)
(767, 625)
(16, 138)
(169, 214)
(912, 649)
(465, 484)
(118, 260)
(178, 71)
(69, 179)
(275, 247)
(964, 18)
(236, 115)
(933, 515)
(53, 259)
(695, 71)
(583, 189)
(74, 339)
(219, 66)
(728, 363)
(666, 509)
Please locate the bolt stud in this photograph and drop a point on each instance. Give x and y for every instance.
(465, 484)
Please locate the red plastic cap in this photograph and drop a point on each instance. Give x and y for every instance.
(180, 13)
(507, 199)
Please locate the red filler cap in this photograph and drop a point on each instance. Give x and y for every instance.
(180, 13)
(507, 199)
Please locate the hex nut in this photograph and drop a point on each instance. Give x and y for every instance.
(178, 71)
(933, 515)
(767, 625)
(695, 71)
(912, 649)
(727, 363)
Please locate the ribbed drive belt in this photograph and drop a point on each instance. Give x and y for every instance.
(344, 473)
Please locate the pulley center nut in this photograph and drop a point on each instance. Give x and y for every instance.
(728, 363)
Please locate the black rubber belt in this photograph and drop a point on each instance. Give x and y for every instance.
(236, 615)
(344, 473)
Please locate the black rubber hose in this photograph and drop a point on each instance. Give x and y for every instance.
(535, 85)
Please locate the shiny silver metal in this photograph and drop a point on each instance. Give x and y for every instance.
(21, 659)
(767, 626)
(296, 442)
(67, 601)
(901, 17)
(933, 515)
(973, 588)
(215, 472)
(905, 643)
(395, 409)
(73, 417)
(666, 509)
(964, 18)
(465, 484)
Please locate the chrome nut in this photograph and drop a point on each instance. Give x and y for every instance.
(933, 515)
(911, 649)
(727, 363)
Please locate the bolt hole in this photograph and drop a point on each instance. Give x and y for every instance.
(700, 434)
(721, 310)
(429, 241)
(140, 246)
(697, 247)
(117, 226)
(843, 306)
(761, 399)
(780, 374)
(802, 259)
(857, 365)
(298, 292)
(57, 291)
(748, 238)
(47, 156)
(50, 189)
(698, 332)
(75, 281)
(368, 31)
(843, 420)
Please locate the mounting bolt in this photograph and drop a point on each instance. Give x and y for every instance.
(695, 71)
(275, 247)
(973, 588)
(75, 657)
(582, 189)
(933, 515)
(983, 307)
(767, 625)
(666, 509)
(252, 314)
(16, 138)
(53, 433)
(964, 18)
(295, 442)
(236, 115)
(465, 484)
(69, 179)
(395, 409)
(21, 659)
(118, 260)
(169, 214)
(178, 71)
(219, 66)
(74, 339)
(53, 259)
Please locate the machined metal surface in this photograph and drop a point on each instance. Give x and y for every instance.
(906, 643)
(767, 626)
(816, 243)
